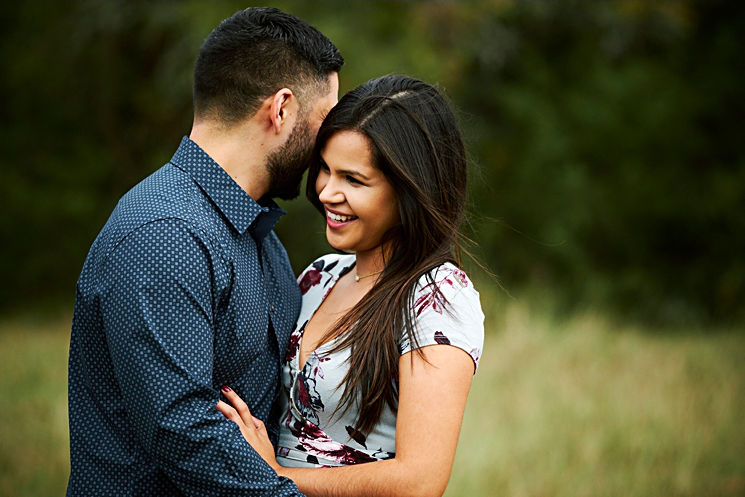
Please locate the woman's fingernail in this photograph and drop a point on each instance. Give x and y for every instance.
(225, 388)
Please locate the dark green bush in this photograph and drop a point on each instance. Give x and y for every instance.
(606, 137)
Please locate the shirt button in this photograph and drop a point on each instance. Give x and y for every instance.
(271, 308)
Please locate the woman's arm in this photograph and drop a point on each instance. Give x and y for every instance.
(432, 398)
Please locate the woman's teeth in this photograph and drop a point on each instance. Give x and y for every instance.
(339, 218)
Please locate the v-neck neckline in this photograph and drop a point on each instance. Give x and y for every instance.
(335, 277)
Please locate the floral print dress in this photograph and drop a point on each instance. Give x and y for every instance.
(311, 435)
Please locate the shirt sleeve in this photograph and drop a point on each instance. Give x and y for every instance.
(157, 301)
(450, 316)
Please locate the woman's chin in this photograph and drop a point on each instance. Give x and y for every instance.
(341, 247)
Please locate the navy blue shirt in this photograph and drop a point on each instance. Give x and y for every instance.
(185, 289)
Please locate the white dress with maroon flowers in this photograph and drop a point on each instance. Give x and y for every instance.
(311, 435)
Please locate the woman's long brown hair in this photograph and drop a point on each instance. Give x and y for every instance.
(415, 141)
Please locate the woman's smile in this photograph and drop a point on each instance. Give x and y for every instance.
(337, 220)
(360, 203)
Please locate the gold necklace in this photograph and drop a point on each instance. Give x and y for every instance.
(358, 278)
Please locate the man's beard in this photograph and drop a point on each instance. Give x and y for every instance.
(287, 165)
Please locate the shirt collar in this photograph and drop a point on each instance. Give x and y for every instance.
(242, 211)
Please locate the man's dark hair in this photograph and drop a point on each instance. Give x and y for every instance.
(253, 54)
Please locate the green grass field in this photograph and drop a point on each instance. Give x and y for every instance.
(570, 408)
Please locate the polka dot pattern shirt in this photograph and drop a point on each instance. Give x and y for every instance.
(185, 289)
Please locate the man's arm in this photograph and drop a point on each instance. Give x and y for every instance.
(157, 302)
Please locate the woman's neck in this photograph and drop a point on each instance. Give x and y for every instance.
(369, 264)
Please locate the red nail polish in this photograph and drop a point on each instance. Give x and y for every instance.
(225, 388)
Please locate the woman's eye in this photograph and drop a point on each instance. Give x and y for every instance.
(354, 180)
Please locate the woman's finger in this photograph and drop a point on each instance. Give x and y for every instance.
(238, 404)
(228, 411)
(252, 429)
(258, 424)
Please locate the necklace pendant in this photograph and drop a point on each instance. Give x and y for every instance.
(356, 278)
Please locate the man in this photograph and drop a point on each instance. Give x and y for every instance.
(187, 288)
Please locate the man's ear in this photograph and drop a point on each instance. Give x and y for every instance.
(279, 108)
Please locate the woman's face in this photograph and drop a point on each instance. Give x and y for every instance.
(360, 203)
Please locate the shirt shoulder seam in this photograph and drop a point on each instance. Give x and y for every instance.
(204, 233)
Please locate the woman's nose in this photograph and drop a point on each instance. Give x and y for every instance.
(328, 191)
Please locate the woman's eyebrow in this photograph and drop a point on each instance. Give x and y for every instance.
(351, 172)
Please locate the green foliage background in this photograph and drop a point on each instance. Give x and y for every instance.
(606, 138)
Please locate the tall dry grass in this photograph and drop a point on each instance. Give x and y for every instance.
(572, 408)
(34, 457)
(584, 408)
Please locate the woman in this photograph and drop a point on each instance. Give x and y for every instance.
(389, 335)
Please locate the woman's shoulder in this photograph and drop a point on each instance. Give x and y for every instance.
(443, 285)
(329, 265)
(333, 263)
(447, 311)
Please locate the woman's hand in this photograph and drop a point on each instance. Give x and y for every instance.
(253, 429)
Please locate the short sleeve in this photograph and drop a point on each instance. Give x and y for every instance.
(450, 316)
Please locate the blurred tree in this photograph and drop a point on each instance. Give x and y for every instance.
(610, 150)
(605, 137)
(86, 87)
